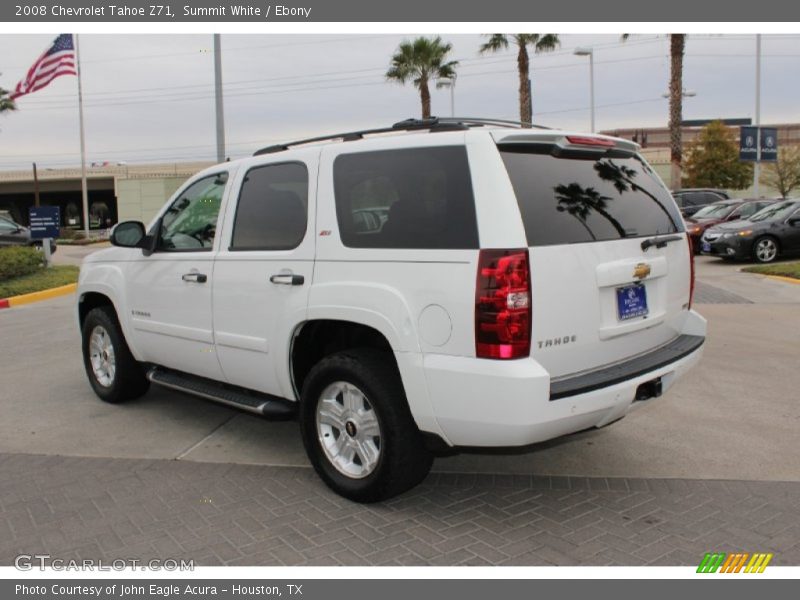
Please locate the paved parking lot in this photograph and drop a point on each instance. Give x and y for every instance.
(713, 465)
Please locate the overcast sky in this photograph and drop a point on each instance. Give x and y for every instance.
(149, 98)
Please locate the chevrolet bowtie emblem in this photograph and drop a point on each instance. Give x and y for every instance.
(641, 270)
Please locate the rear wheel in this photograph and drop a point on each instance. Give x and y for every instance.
(113, 372)
(765, 249)
(357, 429)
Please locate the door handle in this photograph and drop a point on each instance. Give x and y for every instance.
(195, 277)
(287, 279)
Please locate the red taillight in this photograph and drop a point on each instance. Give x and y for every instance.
(589, 141)
(691, 269)
(503, 304)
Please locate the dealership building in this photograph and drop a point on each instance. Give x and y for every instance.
(119, 192)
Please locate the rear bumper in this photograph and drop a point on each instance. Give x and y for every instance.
(487, 403)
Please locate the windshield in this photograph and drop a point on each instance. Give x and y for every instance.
(774, 212)
(714, 211)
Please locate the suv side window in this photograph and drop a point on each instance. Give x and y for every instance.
(190, 223)
(272, 211)
(410, 198)
(696, 199)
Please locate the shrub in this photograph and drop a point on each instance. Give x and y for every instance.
(16, 261)
(67, 233)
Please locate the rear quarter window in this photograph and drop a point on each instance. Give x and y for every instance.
(573, 200)
(407, 198)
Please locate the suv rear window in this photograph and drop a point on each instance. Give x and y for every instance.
(572, 200)
(409, 198)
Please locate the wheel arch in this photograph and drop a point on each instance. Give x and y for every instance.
(316, 338)
(97, 294)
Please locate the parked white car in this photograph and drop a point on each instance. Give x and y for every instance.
(429, 286)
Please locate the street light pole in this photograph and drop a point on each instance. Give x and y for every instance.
(757, 166)
(448, 82)
(453, 99)
(590, 53)
(220, 112)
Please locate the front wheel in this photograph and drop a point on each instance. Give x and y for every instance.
(357, 429)
(765, 249)
(113, 372)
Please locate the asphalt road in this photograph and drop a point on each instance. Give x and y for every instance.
(735, 416)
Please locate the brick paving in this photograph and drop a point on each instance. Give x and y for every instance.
(226, 514)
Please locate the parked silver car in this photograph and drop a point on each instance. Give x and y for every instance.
(14, 234)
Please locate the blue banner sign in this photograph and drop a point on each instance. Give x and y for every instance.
(769, 144)
(748, 143)
(45, 222)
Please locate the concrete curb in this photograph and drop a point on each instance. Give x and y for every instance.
(782, 278)
(38, 296)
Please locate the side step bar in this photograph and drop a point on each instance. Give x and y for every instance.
(248, 400)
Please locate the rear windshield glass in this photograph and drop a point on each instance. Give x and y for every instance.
(573, 200)
(775, 212)
(409, 198)
(714, 210)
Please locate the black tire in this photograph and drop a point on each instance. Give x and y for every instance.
(766, 249)
(403, 461)
(128, 381)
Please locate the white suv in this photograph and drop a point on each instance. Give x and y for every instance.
(432, 285)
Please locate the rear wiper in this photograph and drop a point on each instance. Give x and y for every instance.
(659, 242)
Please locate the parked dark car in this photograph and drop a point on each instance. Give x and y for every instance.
(14, 234)
(722, 212)
(772, 232)
(690, 200)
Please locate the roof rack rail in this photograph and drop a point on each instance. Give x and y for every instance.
(431, 124)
(501, 122)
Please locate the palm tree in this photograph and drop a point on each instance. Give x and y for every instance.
(540, 42)
(581, 201)
(677, 46)
(419, 62)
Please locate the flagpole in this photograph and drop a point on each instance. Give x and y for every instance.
(84, 190)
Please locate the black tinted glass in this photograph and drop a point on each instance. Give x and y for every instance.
(273, 207)
(410, 198)
(715, 211)
(566, 200)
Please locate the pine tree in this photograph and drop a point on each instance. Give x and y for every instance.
(713, 160)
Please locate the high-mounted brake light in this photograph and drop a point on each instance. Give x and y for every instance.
(691, 270)
(503, 304)
(590, 141)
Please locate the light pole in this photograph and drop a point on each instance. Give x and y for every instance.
(219, 110)
(757, 166)
(449, 82)
(584, 51)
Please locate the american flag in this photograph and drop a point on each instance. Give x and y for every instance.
(58, 59)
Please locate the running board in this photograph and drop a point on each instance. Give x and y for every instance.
(265, 405)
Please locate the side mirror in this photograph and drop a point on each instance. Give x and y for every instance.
(128, 234)
(794, 221)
